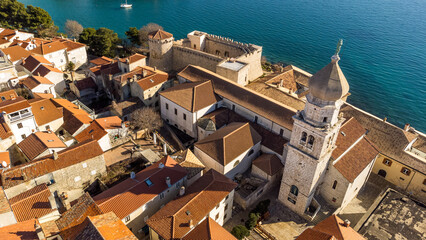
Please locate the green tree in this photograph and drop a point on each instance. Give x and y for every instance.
(13, 14)
(86, 36)
(133, 35)
(252, 221)
(240, 232)
(38, 19)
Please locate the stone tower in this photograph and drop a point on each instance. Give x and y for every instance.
(160, 50)
(313, 138)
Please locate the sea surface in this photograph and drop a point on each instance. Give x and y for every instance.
(383, 55)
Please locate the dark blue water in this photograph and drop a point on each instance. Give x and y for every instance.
(383, 56)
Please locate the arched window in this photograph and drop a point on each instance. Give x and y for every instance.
(334, 184)
(303, 138)
(311, 140)
(382, 173)
(217, 52)
(236, 163)
(226, 54)
(294, 190)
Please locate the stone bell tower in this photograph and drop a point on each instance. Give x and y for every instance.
(313, 137)
(160, 50)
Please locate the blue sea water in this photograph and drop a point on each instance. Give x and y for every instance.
(383, 55)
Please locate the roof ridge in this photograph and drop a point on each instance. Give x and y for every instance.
(338, 226)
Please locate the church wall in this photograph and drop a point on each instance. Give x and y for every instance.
(183, 56)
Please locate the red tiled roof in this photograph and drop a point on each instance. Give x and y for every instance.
(269, 163)
(172, 221)
(32, 61)
(229, 142)
(5, 131)
(334, 227)
(209, 229)
(85, 84)
(192, 96)
(20, 231)
(43, 95)
(101, 61)
(349, 133)
(33, 81)
(4, 157)
(109, 122)
(131, 194)
(16, 53)
(67, 157)
(36, 143)
(71, 45)
(74, 117)
(10, 106)
(105, 227)
(134, 58)
(33, 203)
(70, 222)
(43, 70)
(94, 131)
(46, 48)
(160, 35)
(4, 203)
(8, 95)
(45, 111)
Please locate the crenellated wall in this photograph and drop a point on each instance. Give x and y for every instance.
(183, 56)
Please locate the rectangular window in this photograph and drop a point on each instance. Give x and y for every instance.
(23, 136)
(175, 111)
(233, 107)
(334, 184)
(184, 116)
(161, 195)
(217, 216)
(406, 171)
(255, 119)
(324, 119)
(167, 106)
(224, 217)
(387, 162)
(20, 125)
(281, 132)
(148, 183)
(226, 207)
(47, 127)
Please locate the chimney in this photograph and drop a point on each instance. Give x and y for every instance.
(385, 119)
(168, 182)
(182, 191)
(144, 73)
(191, 223)
(55, 155)
(38, 74)
(64, 199)
(407, 127)
(281, 83)
(155, 68)
(52, 202)
(347, 223)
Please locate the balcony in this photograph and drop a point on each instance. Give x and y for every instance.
(20, 116)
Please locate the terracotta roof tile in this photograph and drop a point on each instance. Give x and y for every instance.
(333, 226)
(74, 117)
(312, 234)
(33, 203)
(356, 159)
(256, 102)
(43, 70)
(4, 203)
(101, 61)
(229, 142)
(16, 53)
(50, 47)
(10, 106)
(5, 131)
(160, 35)
(151, 81)
(67, 157)
(43, 95)
(172, 221)
(192, 96)
(70, 222)
(49, 228)
(189, 161)
(33, 81)
(269, 163)
(71, 45)
(209, 229)
(36, 143)
(109, 122)
(349, 133)
(105, 227)
(31, 62)
(8, 95)
(86, 83)
(129, 195)
(134, 58)
(390, 140)
(19, 231)
(93, 131)
(45, 111)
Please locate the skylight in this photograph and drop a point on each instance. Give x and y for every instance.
(148, 182)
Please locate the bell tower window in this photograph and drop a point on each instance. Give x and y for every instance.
(311, 140)
(303, 138)
(324, 120)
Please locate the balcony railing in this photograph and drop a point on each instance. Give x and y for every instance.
(20, 116)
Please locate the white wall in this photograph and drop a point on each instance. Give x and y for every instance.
(78, 56)
(220, 209)
(105, 143)
(59, 58)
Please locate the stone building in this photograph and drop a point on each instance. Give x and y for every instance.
(70, 170)
(236, 61)
(313, 164)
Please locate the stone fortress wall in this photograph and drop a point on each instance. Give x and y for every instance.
(183, 56)
(161, 54)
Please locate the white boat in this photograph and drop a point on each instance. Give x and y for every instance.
(126, 5)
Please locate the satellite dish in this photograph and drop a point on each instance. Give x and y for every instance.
(4, 163)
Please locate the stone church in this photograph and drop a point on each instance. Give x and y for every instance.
(329, 157)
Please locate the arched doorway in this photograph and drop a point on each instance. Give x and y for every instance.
(382, 173)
